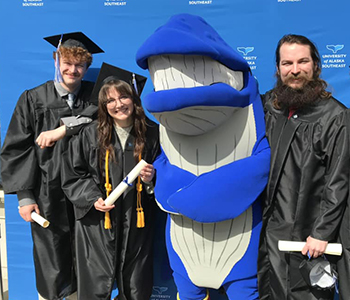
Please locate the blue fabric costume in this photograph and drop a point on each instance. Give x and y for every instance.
(215, 157)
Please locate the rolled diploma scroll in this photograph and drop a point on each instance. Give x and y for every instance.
(40, 220)
(332, 248)
(120, 189)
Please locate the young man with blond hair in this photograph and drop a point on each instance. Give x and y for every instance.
(31, 159)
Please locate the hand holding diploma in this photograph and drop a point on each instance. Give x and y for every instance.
(314, 247)
(31, 213)
(101, 206)
(128, 180)
(147, 173)
(25, 211)
(332, 248)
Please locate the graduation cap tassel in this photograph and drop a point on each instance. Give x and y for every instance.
(108, 186)
(140, 213)
(139, 209)
(58, 76)
(135, 83)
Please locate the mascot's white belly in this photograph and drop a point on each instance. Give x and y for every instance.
(210, 250)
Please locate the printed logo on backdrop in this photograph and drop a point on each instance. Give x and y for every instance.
(334, 58)
(247, 53)
(200, 2)
(114, 2)
(32, 3)
(288, 0)
(160, 292)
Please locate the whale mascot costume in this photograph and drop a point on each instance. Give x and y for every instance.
(215, 157)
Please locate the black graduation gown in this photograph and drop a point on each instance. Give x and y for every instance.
(124, 252)
(306, 192)
(343, 265)
(27, 167)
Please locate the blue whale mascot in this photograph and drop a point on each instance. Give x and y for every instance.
(215, 157)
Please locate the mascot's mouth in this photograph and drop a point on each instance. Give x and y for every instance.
(193, 93)
(188, 71)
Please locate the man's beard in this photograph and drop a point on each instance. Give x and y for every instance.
(296, 98)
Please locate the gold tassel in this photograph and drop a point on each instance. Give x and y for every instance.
(108, 224)
(108, 186)
(140, 214)
(140, 218)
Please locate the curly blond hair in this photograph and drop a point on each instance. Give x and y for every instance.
(76, 53)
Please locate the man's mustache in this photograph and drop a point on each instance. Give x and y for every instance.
(292, 77)
(70, 73)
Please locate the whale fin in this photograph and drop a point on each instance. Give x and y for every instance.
(335, 48)
(245, 50)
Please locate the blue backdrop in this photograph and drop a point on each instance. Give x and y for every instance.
(253, 27)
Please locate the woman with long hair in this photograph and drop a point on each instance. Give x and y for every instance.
(113, 243)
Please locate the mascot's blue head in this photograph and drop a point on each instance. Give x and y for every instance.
(196, 75)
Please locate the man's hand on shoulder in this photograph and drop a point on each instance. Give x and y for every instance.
(50, 137)
(315, 247)
(26, 210)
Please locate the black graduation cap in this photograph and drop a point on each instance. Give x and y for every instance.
(318, 273)
(74, 39)
(108, 70)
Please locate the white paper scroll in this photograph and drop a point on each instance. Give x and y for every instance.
(40, 220)
(120, 189)
(332, 248)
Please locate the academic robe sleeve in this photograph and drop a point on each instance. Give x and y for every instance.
(334, 139)
(80, 173)
(19, 164)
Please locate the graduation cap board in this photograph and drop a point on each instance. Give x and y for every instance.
(74, 39)
(318, 273)
(135, 80)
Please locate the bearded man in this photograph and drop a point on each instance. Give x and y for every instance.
(308, 182)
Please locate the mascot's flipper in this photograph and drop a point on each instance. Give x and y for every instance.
(172, 180)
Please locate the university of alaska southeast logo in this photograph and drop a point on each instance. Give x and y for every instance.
(114, 2)
(334, 48)
(33, 3)
(245, 50)
(334, 58)
(251, 59)
(160, 289)
(159, 293)
(200, 2)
